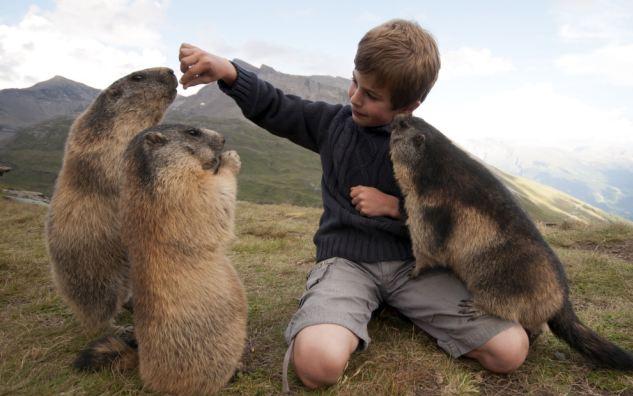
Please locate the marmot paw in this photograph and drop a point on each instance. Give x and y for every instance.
(470, 308)
(231, 159)
(415, 271)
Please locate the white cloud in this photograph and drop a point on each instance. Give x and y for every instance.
(284, 58)
(468, 62)
(532, 115)
(605, 20)
(608, 24)
(93, 42)
(613, 62)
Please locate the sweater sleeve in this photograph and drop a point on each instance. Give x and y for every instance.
(302, 121)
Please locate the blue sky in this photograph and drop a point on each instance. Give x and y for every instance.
(537, 72)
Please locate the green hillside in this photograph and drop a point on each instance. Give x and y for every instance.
(273, 169)
(35, 155)
(549, 205)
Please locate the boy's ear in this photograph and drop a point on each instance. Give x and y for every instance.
(410, 108)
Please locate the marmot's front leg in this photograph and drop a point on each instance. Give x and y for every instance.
(230, 162)
(422, 263)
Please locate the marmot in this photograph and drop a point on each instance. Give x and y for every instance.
(177, 218)
(461, 217)
(89, 264)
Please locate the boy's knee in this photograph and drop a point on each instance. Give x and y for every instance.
(504, 352)
(320, 360)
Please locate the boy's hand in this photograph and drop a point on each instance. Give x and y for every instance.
(372, 202)
(201, 67)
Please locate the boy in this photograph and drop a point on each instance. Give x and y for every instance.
(363, 246)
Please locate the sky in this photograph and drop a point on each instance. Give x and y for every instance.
(537, 73)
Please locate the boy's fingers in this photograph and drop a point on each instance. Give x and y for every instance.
(187, 47)
(187, 62)
(191, 73)
(198, 80)
(184, 52)
(355, 189)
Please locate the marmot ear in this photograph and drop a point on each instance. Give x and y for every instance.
(418, 139)
(155, 138)
(115, 93)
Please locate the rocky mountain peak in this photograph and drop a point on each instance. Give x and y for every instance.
(57, 96)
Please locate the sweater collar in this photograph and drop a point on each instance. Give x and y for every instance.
(379, 130)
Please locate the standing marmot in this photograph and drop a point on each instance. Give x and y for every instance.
(177, 218)
(460, 216)
(89, 264)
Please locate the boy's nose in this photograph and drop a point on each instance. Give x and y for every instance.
(355, 98)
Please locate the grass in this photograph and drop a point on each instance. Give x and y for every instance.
(39, 337)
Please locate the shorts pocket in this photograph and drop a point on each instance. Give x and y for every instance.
(317, 273)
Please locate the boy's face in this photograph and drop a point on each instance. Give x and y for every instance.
(371, 103)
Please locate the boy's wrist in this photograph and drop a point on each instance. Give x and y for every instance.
(230, 75)
(394, 207)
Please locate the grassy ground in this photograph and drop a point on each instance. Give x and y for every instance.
(39, 337)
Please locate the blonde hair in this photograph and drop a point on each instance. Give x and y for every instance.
(402, 57)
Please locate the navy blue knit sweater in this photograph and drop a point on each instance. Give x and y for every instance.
(350, 156)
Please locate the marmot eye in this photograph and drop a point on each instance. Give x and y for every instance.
(138, 77)
(193, 132)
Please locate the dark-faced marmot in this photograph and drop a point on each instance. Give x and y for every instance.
(89, 264)
(461, 217)
(177, 218)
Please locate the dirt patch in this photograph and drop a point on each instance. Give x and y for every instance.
(621, 249)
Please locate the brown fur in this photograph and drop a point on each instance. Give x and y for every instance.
(461, 217)
(89, 264)
(177, 208)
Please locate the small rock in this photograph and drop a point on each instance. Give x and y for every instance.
(560, 356)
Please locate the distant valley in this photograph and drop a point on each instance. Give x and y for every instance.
(599, 176)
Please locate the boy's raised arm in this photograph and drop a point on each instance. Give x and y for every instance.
(301, 121)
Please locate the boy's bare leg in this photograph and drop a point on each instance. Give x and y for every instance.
(504, 352)
(321, 353)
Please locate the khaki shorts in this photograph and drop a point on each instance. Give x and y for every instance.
(339, 291)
